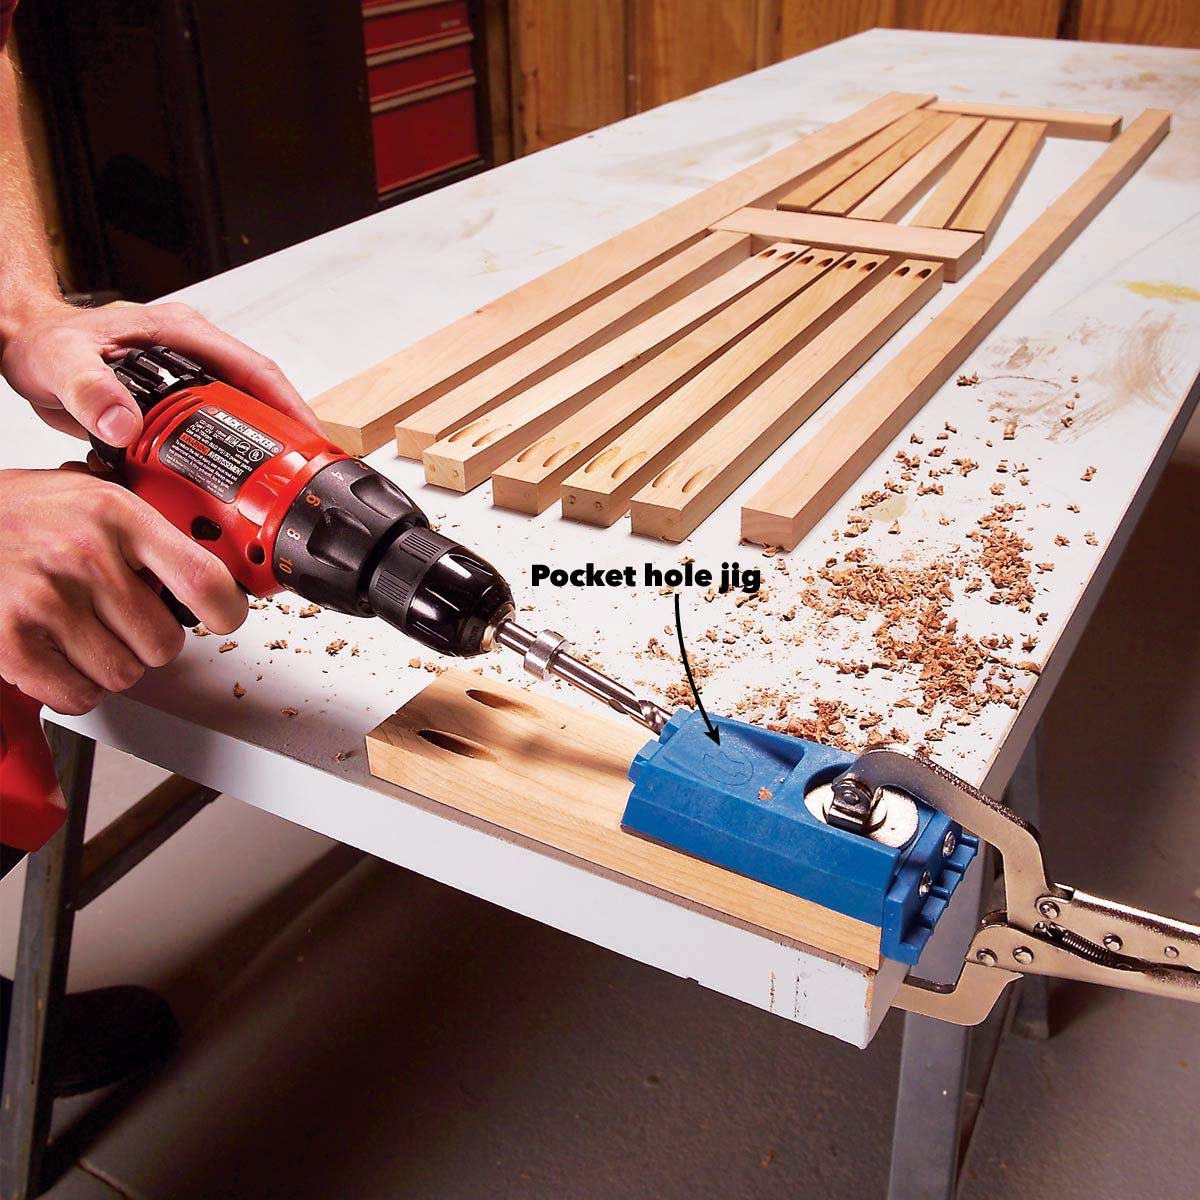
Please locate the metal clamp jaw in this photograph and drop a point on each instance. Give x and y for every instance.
(1045, 928)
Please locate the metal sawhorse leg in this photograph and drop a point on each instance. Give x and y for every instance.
(934, 1113)
(62, 878)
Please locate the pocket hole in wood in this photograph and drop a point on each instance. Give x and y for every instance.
(455, 744)
(807, 258)
(826, 261)
(768, 253)
(925, 272)
(869, 266)
(490, 436)
(850, 262)
(499, 702)
(902, 271)
(625, 466)
(695, 481)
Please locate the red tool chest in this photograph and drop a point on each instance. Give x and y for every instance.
(422, 87)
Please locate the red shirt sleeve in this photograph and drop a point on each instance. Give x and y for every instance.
(7, 8)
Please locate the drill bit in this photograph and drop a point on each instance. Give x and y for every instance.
(547, 653)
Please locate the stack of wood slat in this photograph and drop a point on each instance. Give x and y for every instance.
(653, 374)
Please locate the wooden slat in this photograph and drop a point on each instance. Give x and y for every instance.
(788, 506)
(823, 181)
(556, 776)
(860, 185)
(469, 455)
(988, 200)
(947, 197)
(1059, 122)
(642, 297)
(600, 491)
(957, 251)
(895, 195)
(676, 501)
(359, 413)
(530, 482)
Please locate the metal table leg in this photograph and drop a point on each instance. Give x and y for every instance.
(47, 922)
(928, 1139)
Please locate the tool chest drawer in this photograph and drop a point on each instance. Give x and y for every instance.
(388, 25)
(424, 132)
(419, 66)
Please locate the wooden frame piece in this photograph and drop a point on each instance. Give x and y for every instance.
(599, 492)
(556, 775)
(895, 195)
(1059, 122)
(808, 485)
(823, 180)
(531, 481)
(563, 344)
(862, 183)
(359, 413)
(988, 201)
(957, 251)
(678, 499)
(947, 197)
(466, 458)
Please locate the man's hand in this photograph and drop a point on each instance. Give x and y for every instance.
(56, 357)
(77, 617)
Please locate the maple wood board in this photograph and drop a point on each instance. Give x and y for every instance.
(860, 185)
(531, 481)
(563, 344)
(466, 458)
(678, 499)
(956, 250)
(360, 413)
(947, 197)
(557, 775)
(788, 505)
(599, 492)
(988, 201)
(895, 195)
(1059, 122)
(822, 181)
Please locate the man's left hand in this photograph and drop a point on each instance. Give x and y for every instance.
(58, 359)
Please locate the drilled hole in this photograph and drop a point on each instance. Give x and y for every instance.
(787, 254)
(768, 253)
(902, 271)
(826, 261)
(455, 744)
(696, 480)
(850, 262)
(925, 273)
(503, 703)
(807, 258)
(870, 266)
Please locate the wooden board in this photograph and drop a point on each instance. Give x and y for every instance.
(788, 506)
(556, 775)
(531, 481)
(822, 181)
(988, 200)
(599, 492)
(957, 251)
(466, 458)
(946, 199)
(1059, 122)
(895, 195)
(860, 185)
(642, 297)
(676, 501)
(359, 413)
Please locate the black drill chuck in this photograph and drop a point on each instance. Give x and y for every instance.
(367, 549)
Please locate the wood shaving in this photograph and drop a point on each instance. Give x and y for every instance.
(238, 691)
(309, 610)
(290, 712)
(335, 647)
(225, 647)
(1088, 475)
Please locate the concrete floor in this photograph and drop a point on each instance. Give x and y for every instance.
(355, 1031)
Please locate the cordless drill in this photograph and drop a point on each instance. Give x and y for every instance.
(285, 509)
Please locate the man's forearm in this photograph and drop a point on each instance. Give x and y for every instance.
(28, 283)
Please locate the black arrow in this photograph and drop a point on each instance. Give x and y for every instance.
(711, 731)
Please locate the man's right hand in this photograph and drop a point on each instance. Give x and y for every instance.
(77, 617)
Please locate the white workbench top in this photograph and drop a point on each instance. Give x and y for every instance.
(1116, 311)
